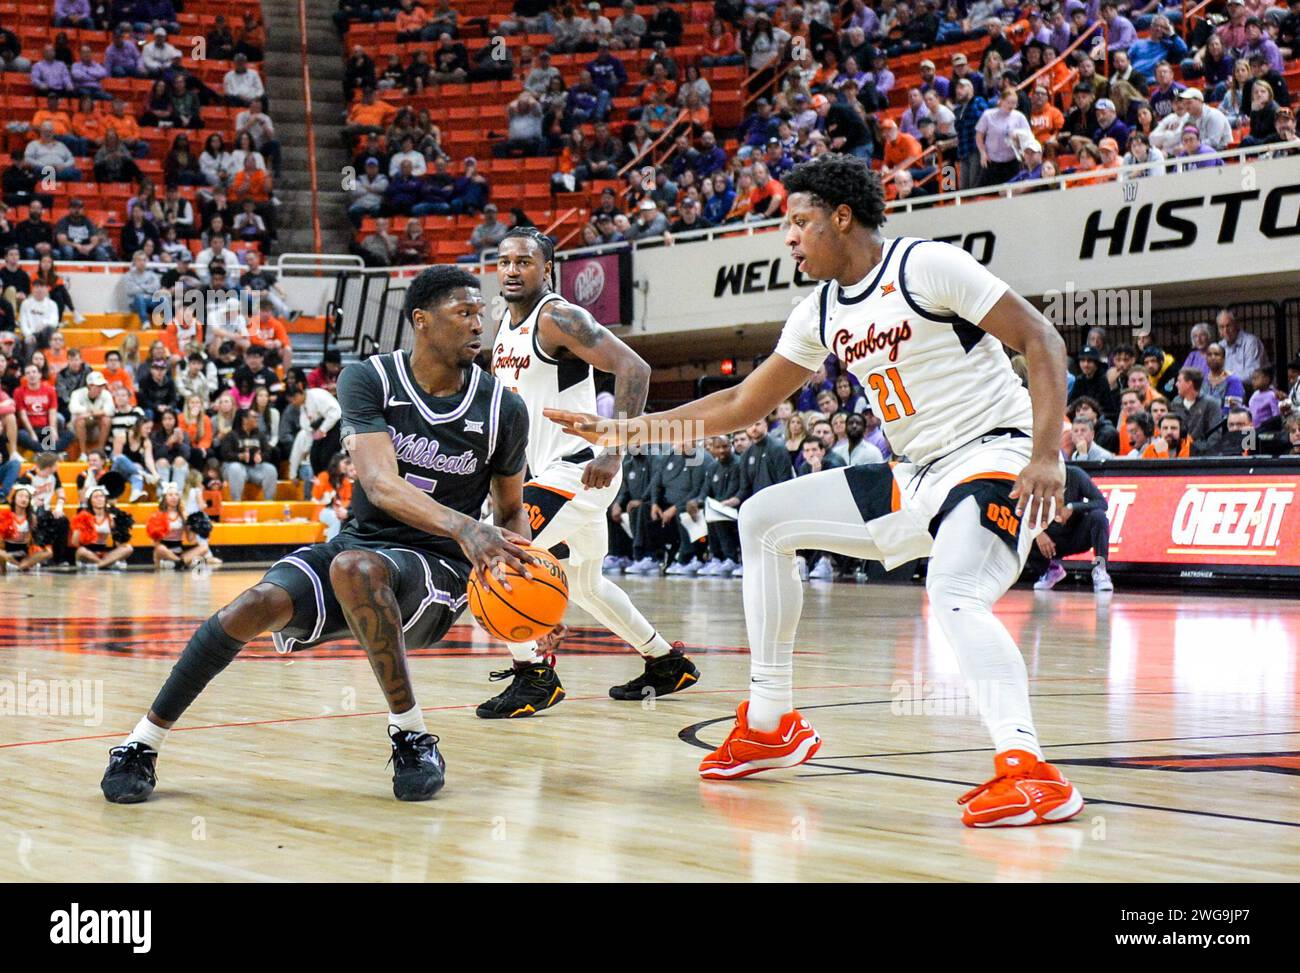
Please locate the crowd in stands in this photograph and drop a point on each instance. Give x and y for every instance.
(164, 165)
(1050, 89)
(202, 401)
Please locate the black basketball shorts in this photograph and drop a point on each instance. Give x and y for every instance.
(430, 593)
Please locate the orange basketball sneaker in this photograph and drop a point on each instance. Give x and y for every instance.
(1025, 791)
(748, 751)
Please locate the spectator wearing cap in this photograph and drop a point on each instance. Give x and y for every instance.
(1092, 381)
(1109, 150)
(933, 82)
(367, 193)
(1031, 161)
(1213, 129)
(489, 233)
(993, 137)
(1162, 368)
(78, 238)
(1194, 154)
(688, 217)
(1243, 351)
(1109, 124)
(91, 411)
(962, 71)
(757, 128)
(880, 78)
(649, 222)
(1284, 130)
(159, 57)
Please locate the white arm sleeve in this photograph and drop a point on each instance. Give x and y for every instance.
(800, 340)
(947, 280)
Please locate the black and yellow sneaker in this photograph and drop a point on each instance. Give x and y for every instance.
(130, 776)
(669, 673)
(533, 687)
(418, 768)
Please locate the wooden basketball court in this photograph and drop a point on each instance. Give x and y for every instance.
(1177, 715)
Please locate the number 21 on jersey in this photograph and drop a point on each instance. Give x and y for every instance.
(881, 383)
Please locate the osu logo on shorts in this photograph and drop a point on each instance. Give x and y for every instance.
(535, 516)
(1002, 517)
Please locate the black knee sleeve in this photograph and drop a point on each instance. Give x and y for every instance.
(209, 651)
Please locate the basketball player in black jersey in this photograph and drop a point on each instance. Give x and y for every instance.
(432, 435)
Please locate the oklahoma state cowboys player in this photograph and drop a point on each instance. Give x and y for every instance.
(545, 349)
(922, 325)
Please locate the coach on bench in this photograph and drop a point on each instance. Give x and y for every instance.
(1082, 526)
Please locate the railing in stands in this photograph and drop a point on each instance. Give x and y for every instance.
(311, 131)
(1190, 12)
(1096, 28)
(649, 151)
(780, 74)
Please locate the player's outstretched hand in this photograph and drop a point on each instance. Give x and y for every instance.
(594, 429)
(600, 472)
(491, 550)
(1040, 491)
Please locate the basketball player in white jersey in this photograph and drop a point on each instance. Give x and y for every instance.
(545, 349)
(922, 325)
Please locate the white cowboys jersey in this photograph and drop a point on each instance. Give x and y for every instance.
(543, 383)
(909, 331)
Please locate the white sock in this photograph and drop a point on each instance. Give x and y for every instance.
(771, 693)
(524, 652)
(656, 648)
(411, 721)
(150, 734)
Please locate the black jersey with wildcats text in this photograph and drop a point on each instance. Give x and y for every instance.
(450, 447)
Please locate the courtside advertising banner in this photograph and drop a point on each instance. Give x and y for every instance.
(1202, 525)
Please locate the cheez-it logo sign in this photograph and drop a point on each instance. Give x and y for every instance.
(1234, 515)
(501, 362)
(849, 350)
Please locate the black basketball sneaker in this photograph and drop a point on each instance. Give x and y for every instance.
(669, 673)
(130, 776)
(418, 768)
(533, 688)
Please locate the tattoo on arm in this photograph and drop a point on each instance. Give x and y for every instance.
(630, 394)
(376, 621)
(576, 324)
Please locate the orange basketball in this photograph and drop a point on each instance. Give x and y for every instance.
(532, 606)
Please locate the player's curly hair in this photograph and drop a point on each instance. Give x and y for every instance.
(841, 179)
(433, 284)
